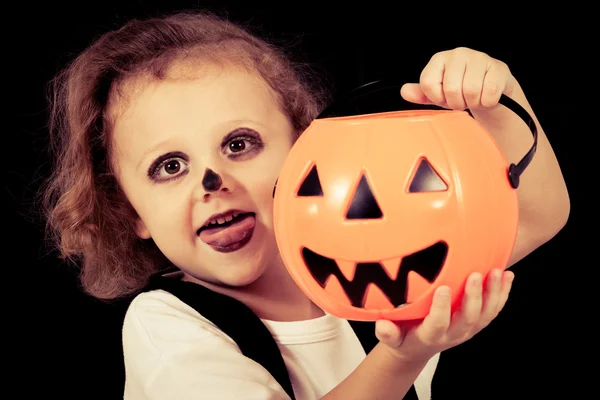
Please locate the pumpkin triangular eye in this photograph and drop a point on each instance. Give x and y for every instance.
(364, 205)
(427, 180)
(311, 185)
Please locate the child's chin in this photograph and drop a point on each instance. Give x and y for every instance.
(245, 277)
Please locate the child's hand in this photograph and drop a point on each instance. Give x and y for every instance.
(440, 330)
(461, 78)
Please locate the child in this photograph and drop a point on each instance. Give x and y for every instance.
(168, 128)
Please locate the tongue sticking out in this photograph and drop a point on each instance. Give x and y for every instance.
(230, 236)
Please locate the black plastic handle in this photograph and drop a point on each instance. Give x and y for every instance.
(346, 106)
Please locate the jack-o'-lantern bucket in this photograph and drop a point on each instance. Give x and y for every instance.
(373, 212)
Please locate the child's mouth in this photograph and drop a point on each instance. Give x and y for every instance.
(230, 235)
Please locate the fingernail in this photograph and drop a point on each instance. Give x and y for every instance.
(444, 291)
(476, 282)
(495, 277)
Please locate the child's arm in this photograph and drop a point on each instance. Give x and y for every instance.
(544, 204)
(464, 78)
(382, 375)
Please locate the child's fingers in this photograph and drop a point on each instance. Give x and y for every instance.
(478, 309)
(492, 297)
(467, 318)
(436, 323)
(389, 333)
(507, 280)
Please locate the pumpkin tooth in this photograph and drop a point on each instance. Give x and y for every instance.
(347, 268)
(416, 286)
(375, 298)
(392, 267)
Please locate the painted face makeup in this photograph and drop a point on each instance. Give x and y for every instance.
(211, 181)
(214, 141)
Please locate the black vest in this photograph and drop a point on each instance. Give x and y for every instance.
(241, 324)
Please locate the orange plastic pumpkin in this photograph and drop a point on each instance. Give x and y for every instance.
(374, 212)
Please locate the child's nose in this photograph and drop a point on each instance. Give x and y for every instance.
(211, 182)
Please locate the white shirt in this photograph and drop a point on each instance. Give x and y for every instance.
(172, 352)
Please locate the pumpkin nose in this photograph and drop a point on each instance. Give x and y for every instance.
(364, 205)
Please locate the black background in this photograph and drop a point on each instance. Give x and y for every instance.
(68, 345)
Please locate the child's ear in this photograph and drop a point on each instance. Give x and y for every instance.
(141, 230)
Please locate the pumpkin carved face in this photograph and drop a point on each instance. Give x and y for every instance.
(374, 212)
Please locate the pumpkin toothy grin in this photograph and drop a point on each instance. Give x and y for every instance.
(427, 263)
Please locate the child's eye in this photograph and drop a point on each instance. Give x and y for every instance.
(242, 145)
(169, 169)
(173, 167)
(238, 145)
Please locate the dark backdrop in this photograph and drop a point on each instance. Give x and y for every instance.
(68, 345)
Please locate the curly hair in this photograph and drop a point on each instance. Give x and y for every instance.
(89, 220)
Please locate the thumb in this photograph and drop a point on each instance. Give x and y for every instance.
(389, 333)
(412, 92)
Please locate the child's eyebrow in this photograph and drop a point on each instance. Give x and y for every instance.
(237, 123)
(151, 150)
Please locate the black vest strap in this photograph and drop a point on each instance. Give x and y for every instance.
(236, 320)
(241, 324)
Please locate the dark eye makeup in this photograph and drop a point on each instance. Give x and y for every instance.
(240, 144)
(171, 160)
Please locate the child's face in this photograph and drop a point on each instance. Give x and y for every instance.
(169, 133)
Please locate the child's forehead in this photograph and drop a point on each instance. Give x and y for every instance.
(188, 86)
(195, 105)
